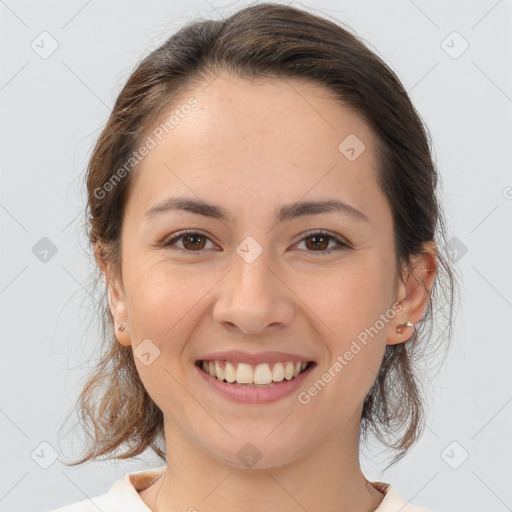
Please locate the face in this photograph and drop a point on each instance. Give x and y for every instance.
(255, 282)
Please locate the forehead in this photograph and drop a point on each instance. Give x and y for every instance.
(255, 142)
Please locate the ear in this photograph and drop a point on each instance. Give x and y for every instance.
(413, 294)
(115, 294)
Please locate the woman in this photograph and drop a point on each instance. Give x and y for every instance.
(262, 205)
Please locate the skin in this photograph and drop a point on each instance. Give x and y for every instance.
(251, 147)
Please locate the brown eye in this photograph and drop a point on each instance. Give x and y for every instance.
(193, 241)
(315, 241)
(318, 241)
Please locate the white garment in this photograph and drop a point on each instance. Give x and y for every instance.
(124, 496)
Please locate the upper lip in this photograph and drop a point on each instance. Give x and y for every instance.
(237, 356)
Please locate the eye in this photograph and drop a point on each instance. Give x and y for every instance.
(320, 240)
(194, 241)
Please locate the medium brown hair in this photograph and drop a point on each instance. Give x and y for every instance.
(268, 41)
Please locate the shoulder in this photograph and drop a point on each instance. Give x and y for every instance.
(123, 495)
(393, 501)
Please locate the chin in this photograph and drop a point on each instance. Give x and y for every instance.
(257, 451)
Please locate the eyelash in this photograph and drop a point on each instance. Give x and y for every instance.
(341, 245)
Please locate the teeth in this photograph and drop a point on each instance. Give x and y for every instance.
(278, 372)
(219, 370)
(243, 373)
(211, 369)
(262, 374)
(288, 370)
(229, 372)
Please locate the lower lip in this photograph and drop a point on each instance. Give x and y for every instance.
(245, 395)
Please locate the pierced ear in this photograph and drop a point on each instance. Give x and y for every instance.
(115, 294)
(117, 305)
(413, 294)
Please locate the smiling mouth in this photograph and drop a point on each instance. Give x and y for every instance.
(254, 375)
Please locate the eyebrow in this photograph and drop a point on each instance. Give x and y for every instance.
(286, 212)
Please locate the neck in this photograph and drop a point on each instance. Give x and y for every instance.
(328, 477)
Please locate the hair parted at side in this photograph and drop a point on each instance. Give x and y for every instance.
(264, 41)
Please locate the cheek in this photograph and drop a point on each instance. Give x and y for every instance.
(355, 313)
(347, 298)
(161, 296)
(164, 305)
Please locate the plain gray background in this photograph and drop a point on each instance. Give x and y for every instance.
(52, 108)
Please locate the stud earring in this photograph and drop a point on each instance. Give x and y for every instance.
(122, 328)
(400, 328)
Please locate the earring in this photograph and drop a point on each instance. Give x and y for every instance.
(400, 328)
(122, 328)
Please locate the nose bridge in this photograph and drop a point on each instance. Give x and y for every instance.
(252, 280)
(252, 297)
(251, 269)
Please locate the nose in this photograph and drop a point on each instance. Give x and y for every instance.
(253, 298)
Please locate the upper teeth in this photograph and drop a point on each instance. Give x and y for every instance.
(244, 373)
